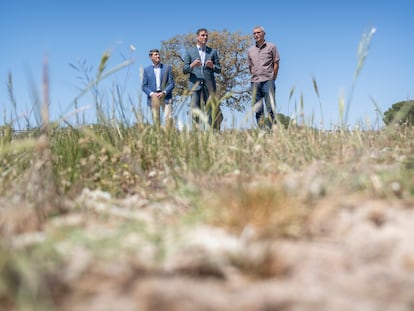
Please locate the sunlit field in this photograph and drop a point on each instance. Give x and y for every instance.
(92, 215)
(120, 216)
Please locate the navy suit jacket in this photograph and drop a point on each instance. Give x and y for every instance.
(201, 73)
(149, 82)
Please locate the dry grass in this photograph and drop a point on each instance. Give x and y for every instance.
(260, 189)
(260, 205)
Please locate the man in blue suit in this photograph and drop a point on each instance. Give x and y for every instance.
(201, 63)
(158, 83)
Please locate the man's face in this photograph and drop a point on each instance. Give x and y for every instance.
(155, 57)
(202, 37)
(258, 35)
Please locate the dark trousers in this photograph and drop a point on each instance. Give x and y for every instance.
(264, 91)
(197, 97)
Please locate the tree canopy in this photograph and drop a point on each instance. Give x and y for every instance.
(400, 113)
(233, 84)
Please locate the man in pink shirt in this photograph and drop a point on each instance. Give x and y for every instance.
(263, 60)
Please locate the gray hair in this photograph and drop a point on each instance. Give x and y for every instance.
(260, 27)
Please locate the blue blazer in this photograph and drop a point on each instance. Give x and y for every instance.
(149, 82)
(201, 73)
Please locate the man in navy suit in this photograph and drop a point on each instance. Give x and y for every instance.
(201, 63)
(158, 83)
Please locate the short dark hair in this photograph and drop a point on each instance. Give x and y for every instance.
(200, 30)
(153, 51)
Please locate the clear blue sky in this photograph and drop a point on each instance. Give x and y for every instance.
(316, 39)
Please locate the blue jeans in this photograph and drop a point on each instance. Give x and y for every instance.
(264, 91)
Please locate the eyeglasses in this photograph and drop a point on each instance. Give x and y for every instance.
(204, 35)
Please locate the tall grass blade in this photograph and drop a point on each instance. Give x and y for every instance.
(362, 53)
(315, 87)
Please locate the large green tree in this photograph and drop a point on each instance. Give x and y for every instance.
(400, 113)
(233, 84)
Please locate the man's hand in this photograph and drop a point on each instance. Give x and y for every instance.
(158, 95)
